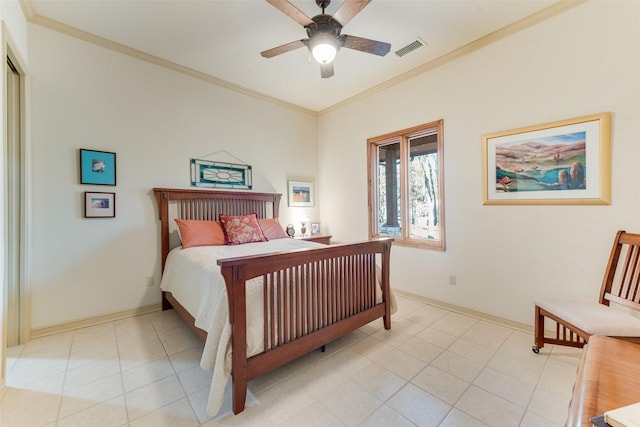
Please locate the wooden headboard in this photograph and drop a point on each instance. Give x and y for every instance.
(208, 205)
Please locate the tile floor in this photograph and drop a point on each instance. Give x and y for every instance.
(434, 368)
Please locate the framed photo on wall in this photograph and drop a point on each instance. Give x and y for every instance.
(99, 204)
(300, 194)
(97, 167)
(560, 163)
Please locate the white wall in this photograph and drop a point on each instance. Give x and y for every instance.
(155, 119)
(584, 61)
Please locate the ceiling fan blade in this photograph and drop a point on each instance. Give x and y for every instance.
(326, 70)
(366, 45)
(348, 10)
(270, 53)
(291, 11)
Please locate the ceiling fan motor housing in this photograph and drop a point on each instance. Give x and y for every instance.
(325, 24)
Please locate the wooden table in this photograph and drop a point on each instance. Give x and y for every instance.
(608, 378)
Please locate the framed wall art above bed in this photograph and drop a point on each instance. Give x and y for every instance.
(207, 173)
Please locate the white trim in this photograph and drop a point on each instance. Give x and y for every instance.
(469, 312)
(9, 50)
(513, 28)
(93, 320)
(143, 56)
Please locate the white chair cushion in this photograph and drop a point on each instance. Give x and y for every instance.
(592, 317)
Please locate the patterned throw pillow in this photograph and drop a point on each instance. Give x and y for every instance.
(242, 229)
(271, 228)
(200, 233)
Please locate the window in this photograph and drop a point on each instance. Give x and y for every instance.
(406, 186)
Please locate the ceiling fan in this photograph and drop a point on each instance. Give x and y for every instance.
(323, 31)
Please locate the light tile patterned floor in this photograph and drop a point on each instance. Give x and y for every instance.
(434, 368)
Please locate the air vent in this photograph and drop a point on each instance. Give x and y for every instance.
(416, 44)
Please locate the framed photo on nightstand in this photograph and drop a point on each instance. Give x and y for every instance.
(315, 228)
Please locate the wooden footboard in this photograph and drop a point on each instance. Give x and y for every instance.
(311, 297)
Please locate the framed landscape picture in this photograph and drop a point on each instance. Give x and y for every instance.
(560, 163)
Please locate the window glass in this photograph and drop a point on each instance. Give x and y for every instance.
(389, 189)
(424, 209)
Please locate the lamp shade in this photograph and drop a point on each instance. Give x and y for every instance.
(324, 48)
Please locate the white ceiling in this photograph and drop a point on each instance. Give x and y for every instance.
(224, 38)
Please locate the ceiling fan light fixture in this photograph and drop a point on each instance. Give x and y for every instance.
(324, 47)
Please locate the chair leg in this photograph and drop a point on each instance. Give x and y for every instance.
(538, 331)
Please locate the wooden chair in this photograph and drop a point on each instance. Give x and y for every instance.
(576, 320)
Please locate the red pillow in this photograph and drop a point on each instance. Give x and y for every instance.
(195, 232)
(242, 229)
(271, 228)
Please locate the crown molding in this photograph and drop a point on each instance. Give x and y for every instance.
(513, 28)
(143, 56)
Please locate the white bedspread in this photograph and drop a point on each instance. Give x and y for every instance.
(193, 278)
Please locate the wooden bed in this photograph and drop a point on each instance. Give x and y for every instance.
(311, 297)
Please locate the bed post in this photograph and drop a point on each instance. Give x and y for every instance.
(234, 278)
(162, 198)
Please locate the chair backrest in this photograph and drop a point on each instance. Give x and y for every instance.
(621, 280)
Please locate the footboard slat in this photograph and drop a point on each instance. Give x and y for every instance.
(299, 308)
(325, 294)
(306, 298)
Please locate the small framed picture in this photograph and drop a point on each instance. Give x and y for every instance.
(315, 228)
(97, 167)
(300, 194)
(99, 205)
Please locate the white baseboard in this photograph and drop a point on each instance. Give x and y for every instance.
(462, 310)
(94, 320)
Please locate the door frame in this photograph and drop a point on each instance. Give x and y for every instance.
(9, 50)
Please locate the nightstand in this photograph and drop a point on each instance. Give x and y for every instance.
(318, 238)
